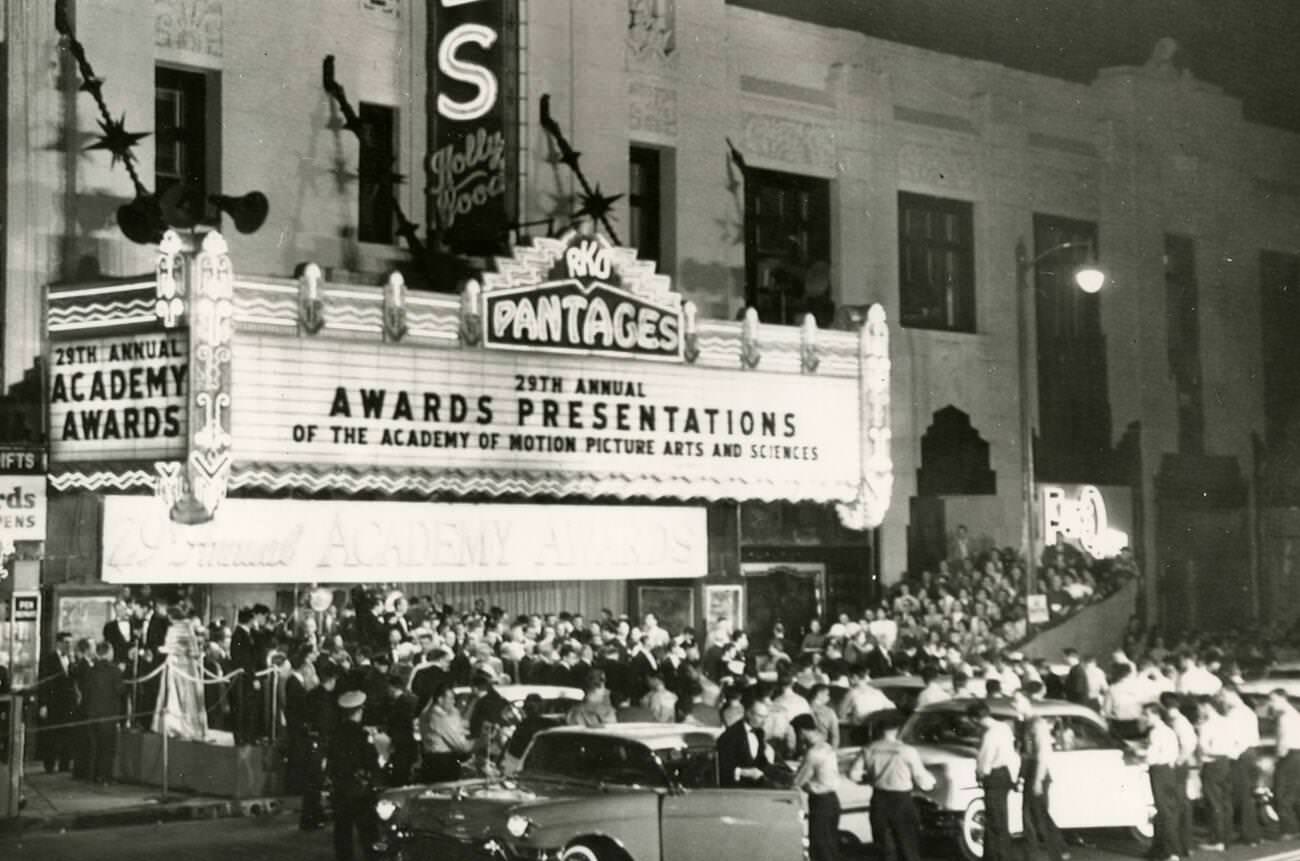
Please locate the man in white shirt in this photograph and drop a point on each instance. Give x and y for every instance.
(1194, 679)
(1187, 742)
(1244, 736)
(933, 692)
(1215, 748)
(1286, 774)
(1122, 705)
(1162, 758)
(996, 765)
(862, 698)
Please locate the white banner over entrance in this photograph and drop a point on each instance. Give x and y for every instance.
(326, 541)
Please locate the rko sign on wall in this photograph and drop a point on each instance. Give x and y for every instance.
(580, 294)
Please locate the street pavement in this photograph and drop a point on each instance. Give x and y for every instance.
(276, 838)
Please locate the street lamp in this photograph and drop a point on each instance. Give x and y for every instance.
(1089, 279)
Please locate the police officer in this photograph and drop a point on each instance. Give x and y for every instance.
(894, 770)
(354, 773)
(320, 718)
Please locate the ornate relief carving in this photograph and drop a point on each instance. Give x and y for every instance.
(188, 25)
(792, 141)
(919, 164)
(651, 108)
(651, 31)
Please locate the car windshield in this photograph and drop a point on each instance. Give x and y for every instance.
(942, 726)
(592, 757)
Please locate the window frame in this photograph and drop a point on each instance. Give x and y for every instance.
(200, 97)
(963, 315)
(372, 162)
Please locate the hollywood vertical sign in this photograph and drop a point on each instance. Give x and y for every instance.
(472, 57)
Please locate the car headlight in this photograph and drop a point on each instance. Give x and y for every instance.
(385, 808)
(518, 825)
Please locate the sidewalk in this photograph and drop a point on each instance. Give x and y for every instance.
(58, 802)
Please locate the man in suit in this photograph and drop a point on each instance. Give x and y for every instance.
(56, 702)
(744, 758)
(295, 723)
(246, 687)
(102, 690)
(121, 634)
(153, 636)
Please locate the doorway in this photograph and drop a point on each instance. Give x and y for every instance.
(792, 593)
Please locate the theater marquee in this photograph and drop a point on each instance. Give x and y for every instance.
(612, 426)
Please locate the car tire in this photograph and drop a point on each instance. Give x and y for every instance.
(1143, 836)
(850, 846)
(584, 852)
(969, 835)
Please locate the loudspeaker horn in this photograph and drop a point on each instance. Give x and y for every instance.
(182, 206)
(141, 220)
(248, 212)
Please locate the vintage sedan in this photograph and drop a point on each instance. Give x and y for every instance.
(1098, 781)
(627, 792)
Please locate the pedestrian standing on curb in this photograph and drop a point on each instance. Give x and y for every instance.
(321, 715)
(354, 774)
(1036, 776)
(819, 776)
(1244, 734)
(1215, 752)
(1181, 829)
(1286, 774)
(1162, 759)
(996, 762)
(894, 771)
(102, 699)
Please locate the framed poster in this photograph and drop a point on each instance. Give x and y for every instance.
(84, 615)
(673, 606)
(725, 602)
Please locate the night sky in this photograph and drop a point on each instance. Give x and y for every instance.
(1249, 48)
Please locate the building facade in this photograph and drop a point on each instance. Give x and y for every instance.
(788, 167)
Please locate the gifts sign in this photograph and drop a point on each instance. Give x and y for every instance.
(472, 59)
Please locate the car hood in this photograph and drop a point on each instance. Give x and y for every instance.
(473, 807)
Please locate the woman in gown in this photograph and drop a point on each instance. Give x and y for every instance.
(181, 710)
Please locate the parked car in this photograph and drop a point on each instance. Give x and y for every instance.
(1099, 781)
(626, 792)
(556, 699)
(1284, 675)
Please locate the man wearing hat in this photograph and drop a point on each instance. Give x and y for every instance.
(354, 772)
(487, 705)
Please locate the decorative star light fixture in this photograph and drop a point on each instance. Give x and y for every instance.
(145, 218)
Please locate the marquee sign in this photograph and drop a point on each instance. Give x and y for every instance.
(472, 62)
(328, 541)
(580, 294)
(120, 397)
(575, 424)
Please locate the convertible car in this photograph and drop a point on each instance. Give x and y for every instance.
(627, 792)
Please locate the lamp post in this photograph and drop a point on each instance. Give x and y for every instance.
(1089, 279)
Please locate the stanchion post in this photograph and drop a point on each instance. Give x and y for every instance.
(275, 705)
(166, 705)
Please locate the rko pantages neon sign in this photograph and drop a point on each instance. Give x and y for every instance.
(582, 294)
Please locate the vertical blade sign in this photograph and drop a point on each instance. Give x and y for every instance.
(472, 58)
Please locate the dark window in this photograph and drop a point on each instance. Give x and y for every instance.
(185, 152)
(1184, 340)
(644, 203)
(788, 247)
(376, 164)
(1073, 398)
(1279, 276)
(936, 262)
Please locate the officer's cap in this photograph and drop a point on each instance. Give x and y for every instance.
(352, 700)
